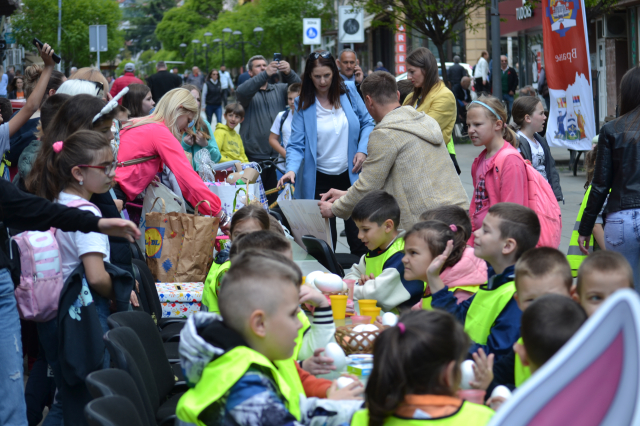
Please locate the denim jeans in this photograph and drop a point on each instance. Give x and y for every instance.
(13, 409)
(509, 100)
(622, 234)
(211, 109)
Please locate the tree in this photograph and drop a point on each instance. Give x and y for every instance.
(179, 24)
(144, 18)
(39, 18)
(434, 19)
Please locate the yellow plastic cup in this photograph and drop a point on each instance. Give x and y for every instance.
(367, 303)
(370, 312)
(339, 306)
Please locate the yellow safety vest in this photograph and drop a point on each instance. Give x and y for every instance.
(469, 414)
(305, 326)
(426, 301)
(574, 255)
(450, 147)
(375, 264)
(485, 309)
(520, 372)
(221, 374)
(212, 285)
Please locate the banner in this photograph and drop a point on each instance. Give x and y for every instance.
(571, 122)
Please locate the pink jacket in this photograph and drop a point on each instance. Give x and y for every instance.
(157, 139)
(468, 271)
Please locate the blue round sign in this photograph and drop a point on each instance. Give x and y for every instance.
(312, 32)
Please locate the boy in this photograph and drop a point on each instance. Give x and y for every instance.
(601, 274)
(281, 128)
(491, 317)
(228, 140)
(242, 367)
(380, 273)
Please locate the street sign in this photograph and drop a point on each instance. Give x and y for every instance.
(350, 25)
(311, 31)
(98, 38)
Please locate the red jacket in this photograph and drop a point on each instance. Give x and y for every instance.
(312, 385)
(122, 82)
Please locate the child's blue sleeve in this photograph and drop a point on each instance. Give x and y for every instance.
(415, 288)
(504, 333)
(445, 300)
(212, 145)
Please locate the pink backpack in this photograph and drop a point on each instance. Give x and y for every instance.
(542, 200)
(41, 278)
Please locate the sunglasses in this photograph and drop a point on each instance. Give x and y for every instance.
(315, 55)
(108, 169)
(98, 85)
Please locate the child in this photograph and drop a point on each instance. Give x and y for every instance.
(491, 316)
(248, 219)
(380, 273)
(416, 373)
(404, 87)
(487, 120)
(228, 140)
(281, 128)
(599, 276)
(203, 137)
(242, 368)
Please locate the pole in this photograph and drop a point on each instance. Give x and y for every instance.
(222, 47)
(98, 45)
(59, 66)
(496, 73)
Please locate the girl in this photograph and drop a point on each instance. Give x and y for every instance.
(17, 89)
(203, 139)
(486, 118)
(528, 116)
(138, 100)
(416, 373)
(248, 219)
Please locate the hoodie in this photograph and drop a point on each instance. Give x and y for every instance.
(230, 144)
(408, 158)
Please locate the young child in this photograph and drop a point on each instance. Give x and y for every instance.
(491, 316)
(487, 120)
(599, 276)
(241, 368)
(228, 140)
(281, 128)
(380, 273)
(416, 373)
(248, 219)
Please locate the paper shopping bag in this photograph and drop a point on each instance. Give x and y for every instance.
(172, 203)
(163, 243)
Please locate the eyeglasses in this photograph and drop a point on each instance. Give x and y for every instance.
(315, 55)
(98, 85)
(108, 169)
(192, 123)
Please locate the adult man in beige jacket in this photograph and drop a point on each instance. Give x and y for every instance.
(407, 157)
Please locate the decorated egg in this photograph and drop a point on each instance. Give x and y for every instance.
(335, 352)
(389, 319)
(502, 391)
(329, 283)
(311, 276)
(467, 374)
(343, 382)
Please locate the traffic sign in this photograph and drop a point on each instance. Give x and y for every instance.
(311, 31)
(98, 38)
(350, 25)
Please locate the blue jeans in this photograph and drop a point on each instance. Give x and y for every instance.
(509, 100)
(622, 234)
(217, 109)
(13, 409)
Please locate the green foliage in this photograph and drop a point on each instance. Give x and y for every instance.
(143, 19)
(39, 18)
(180, 24)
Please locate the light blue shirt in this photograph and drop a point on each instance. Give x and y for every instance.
(353, 77)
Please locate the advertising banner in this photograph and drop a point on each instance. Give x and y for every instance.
(571, 122)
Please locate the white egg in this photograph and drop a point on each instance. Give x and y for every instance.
(370, 327)
(343, 382)
(335, 352)
(329, 283)
(359, 328)
(502, 391)
(467, 374)
(389, 319)
(311, 276)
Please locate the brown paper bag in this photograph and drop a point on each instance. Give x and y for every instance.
(248, 175)
(163, 243)
(199, 238)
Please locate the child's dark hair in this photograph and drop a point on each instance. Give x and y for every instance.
(55, 174)
(547, 324)
(404, 87)
(6, 110)
(542, 261)
(590, 165)
(250, 212)
(49, 109)
(377, 206)
(523, 106)
(496, 105)
(134, 97)
(604, 261)
(261, 240)
(451, 215)
(411, 359)
(436, 234)
(275, 226)
(294, 88)
(234, 108)
(517, 222)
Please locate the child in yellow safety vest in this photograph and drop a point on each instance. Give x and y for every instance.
(240, 366)
(416, 373)
(380, 272)
(491, 317)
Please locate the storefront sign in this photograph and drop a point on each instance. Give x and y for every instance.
(568, 72)
(401, 49)
(524, 12)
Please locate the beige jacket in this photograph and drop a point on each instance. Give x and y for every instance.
(408, 159)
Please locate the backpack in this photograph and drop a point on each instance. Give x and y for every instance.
(542, 200)
(41, 280)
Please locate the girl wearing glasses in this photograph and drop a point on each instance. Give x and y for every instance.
(330, 132)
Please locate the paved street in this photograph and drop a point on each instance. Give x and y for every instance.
(572, 189)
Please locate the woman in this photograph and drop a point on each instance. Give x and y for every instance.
(617, 175)
(17, 89)
(212, 95)
(138, 100)
(154, 141)
(481, 73)
(330, 133)
(203, 138)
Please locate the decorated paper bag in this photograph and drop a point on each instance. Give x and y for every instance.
(172, 203)
(163, 243)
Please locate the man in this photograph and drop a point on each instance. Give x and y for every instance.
(509, 83)
(402, 138)
(196, 78)
(243, 77)
(162, 81)
(226, 84)
(350, 67)
(456, 71)
(380, 67)
(262, 102)
(125, 80)
(463, 98)
(11, 73)
(543, 88)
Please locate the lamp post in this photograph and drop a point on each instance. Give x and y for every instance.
(195, 42)
(183, 50)
(239, 40)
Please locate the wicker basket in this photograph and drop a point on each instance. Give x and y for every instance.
(353, 342)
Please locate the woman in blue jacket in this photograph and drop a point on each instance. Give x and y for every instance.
(329, 137)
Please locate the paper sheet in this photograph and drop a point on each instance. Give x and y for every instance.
(305, 219)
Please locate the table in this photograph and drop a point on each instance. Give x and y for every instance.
(304, 260)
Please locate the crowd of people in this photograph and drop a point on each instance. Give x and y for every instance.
(467, 276)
